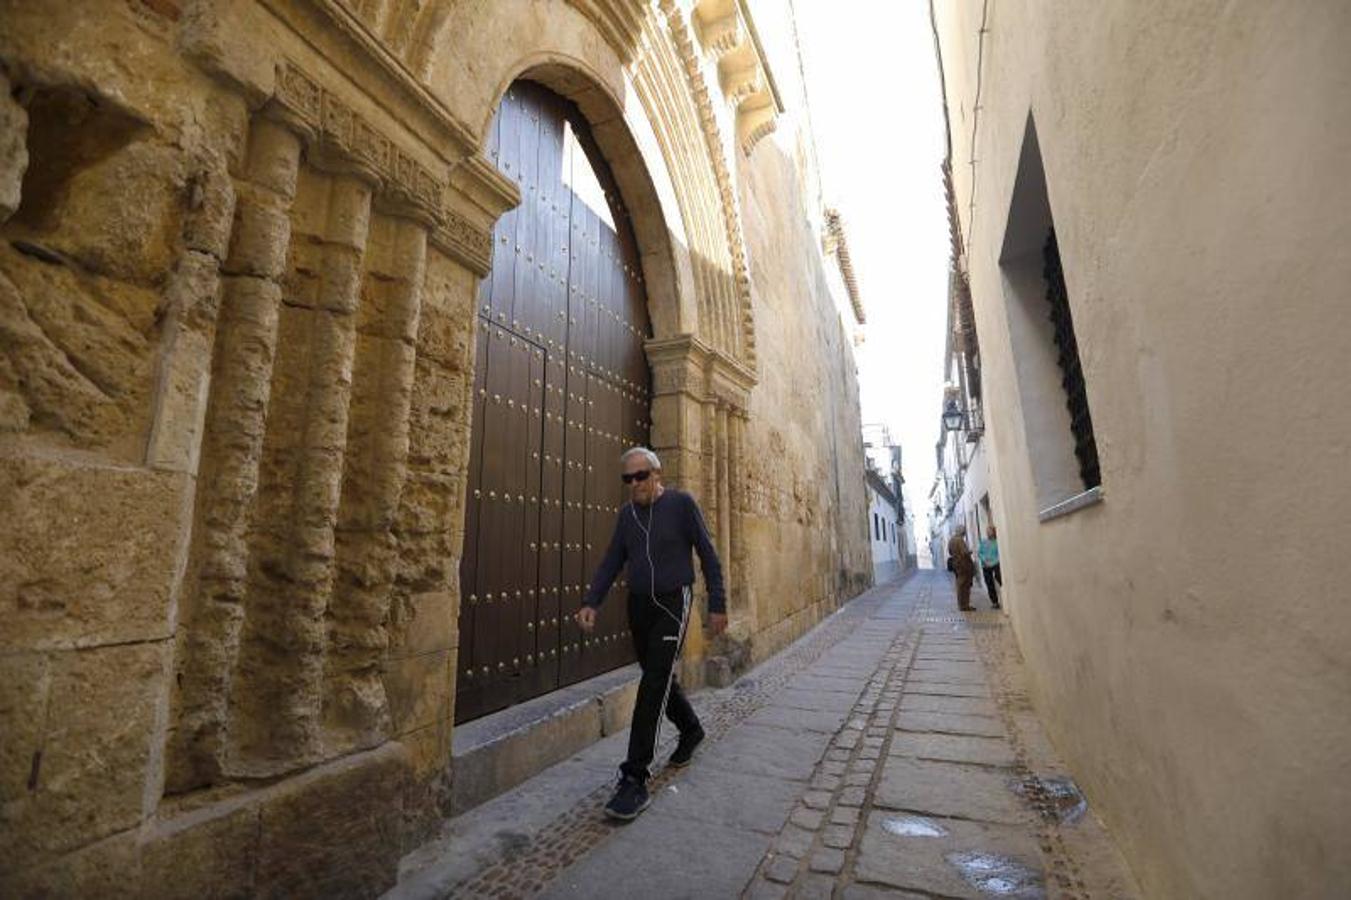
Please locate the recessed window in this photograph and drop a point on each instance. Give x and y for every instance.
(1052, 386)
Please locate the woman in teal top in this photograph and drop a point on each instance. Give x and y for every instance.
(989, 564)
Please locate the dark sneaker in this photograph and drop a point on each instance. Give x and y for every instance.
(630, 798)
(684, 750)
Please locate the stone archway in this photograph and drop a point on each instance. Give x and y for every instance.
(698, 403)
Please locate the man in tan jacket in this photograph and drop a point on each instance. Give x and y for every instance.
(961, 565)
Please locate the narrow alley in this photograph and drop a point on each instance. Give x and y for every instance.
(891, 751)
(674, 448)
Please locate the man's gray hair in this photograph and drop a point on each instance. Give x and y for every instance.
(652, 458)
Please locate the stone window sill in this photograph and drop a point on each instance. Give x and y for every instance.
(1090, 497)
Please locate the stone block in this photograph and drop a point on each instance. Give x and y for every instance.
(180, 405)
(13, 149)
(97, 746)
(432, 626)
(443, 336)
(429, 749)
(335, 832)
(419, 688)
(120, 216)
(220, 37)
(616, 707)
(87, 555)
(828, 860)
(104, 869)
(430, 503)
(211, 211)
(389, 309)
(794, 841)
(208, 853)
(261, 236)
(438, 432)
(24, 686)
(426, 562)
(450, 289)
(80, 366)
(383, 381)
(504, 761)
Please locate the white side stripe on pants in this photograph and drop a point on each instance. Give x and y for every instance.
(670, 676)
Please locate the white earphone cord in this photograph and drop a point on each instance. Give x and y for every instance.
(647, 536)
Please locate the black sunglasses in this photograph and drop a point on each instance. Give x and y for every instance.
(630, 477)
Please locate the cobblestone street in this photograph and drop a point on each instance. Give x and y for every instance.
(892, 751)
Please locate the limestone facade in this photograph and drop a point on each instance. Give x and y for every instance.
(241, 245)
(1184, 624)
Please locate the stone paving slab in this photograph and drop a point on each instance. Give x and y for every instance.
(665, 858)
(949, 789)
(730, 798)
(950, 723)
(762, 750)
(790, 718)
(813, 683)
(950, 857)
(946, 689)
(818, 700)
(972, 706)
(962, 748)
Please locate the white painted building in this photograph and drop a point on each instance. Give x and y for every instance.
(884, 529)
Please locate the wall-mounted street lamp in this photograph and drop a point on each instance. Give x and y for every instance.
(953, 417)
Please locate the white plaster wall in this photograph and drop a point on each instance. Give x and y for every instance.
(886, 554)
(1191, 661)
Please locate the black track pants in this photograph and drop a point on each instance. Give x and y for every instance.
(991, 576)
(658, 627)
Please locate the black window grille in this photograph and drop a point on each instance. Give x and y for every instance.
(1072, 374)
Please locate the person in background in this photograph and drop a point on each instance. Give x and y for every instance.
(962, 566)
(989, 565)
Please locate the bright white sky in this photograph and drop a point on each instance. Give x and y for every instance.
(877, 110)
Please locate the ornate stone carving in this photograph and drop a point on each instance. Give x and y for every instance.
(683, 41)
(473, 246)
(833, 243)
(343, 139)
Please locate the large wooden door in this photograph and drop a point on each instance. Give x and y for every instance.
(561, 389)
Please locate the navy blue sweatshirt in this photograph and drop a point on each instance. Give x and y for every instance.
(660, 537)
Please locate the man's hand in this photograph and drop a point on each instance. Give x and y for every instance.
(717, 623)
(586, 618)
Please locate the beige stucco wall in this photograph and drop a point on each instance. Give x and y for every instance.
(1188, 637)
(200, 482)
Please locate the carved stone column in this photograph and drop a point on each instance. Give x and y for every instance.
(722, 466)
(276, 695)
(228, 475)
(700, 398)
(737, 467)
(356, 712)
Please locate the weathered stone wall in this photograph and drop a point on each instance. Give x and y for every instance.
(1187, 637)
(239, 247)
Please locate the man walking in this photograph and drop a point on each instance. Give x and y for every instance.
(655, 534)
(989, 564)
